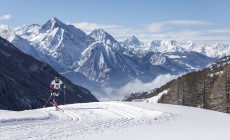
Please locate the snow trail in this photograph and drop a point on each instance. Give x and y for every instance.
(76, 119)
(113, 121)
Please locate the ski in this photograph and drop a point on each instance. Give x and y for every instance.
(58, 108)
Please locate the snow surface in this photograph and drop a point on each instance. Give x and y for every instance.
(155, 99)
(115, 120)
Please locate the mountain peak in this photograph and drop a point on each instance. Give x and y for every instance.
(173, 42)
(101, 31)
(134, 37)
(4, 26)
(54, 20)
(7, 32)
(189, 43)
(156, 43)
(103, 36)
(53, 23)
(133, 41)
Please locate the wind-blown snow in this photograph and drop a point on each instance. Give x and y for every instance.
(115, 120)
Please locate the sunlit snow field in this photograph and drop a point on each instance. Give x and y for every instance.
(115, 120)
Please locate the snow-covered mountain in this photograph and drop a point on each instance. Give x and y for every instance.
(98, 60)
(165, 46)
(8, 33)
(212, 50)
(24, 81)
(104, 37)
(107, 62)
(133, 42)
(107, 65)
(62, 42)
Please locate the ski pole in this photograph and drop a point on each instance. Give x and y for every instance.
(47, 101)
(64, 96)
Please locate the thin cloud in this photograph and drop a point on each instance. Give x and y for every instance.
(89, 27)
(187, 22)
(159, 26)
(218, 31)
(154, 27)
(160, 31)
(5, 17)
(119, 32)
(200, 36)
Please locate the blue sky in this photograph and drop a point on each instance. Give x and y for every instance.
(202, 21)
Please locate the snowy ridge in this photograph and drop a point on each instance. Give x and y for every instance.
(212, 50)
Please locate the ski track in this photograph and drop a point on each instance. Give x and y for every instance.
(78, 120)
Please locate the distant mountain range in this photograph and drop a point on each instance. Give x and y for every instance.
(97, 60)
(24, 81)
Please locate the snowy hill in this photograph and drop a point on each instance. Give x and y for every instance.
(115, 120)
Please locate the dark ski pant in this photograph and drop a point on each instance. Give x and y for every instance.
(56, 94)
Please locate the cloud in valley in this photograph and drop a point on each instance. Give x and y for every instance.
(136, 86)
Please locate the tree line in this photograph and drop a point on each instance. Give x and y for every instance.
(208, 89)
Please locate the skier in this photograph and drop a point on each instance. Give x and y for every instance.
(55, 89)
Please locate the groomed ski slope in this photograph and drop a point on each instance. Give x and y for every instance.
(115, 120)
